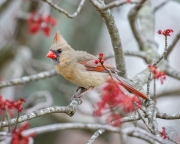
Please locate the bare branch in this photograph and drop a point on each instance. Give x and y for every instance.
(161, 5)
(154, 64)
(64, 11)
(134, 132)
(101, 131)
(174, 42)
(148, 84)
(172, 73)
(151, 115)
(143, 119)
(171, 92)
(26, 79)
(139, 133)
(114, 4)
(167, 116)
(95, 135)
(69, 110)
(115, 37)
(165, 50)
(139, 54)
(132, 20)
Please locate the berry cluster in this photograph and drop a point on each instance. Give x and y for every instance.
(113, 97)
(157, 74)
(163, 133)
(165, 32)
(18, 138)
(38, 22)
(101, 59)
(11, 104)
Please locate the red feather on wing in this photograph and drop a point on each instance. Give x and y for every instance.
(91, 66)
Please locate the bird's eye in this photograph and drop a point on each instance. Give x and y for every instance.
(59, 50)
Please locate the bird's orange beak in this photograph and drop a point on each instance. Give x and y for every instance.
(51, 55)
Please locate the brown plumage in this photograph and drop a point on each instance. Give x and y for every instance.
(79, 67)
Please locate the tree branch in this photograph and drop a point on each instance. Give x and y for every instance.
(26, 79)
(132, 20)
(174, 42)
(161, 5)
(115, 37)
(69, 110)
(139, 54)
(134, 132)
(116, 4)
(167, 116)
(55, 109)
(172, 73)
(64, 11)
(122, 120)
(171, 92)
(143, 119)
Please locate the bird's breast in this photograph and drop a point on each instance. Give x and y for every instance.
(78, 75)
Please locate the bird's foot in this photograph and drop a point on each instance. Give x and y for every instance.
(78, 88)
(77, 95)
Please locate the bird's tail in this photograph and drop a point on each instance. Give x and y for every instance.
(123, 82)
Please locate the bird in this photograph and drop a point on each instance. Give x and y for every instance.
(79, 67)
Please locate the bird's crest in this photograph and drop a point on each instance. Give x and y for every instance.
(57, 37)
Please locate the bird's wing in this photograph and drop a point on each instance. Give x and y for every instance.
(88, 61)
(90, 65)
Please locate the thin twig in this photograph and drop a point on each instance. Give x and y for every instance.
(165, 50)
(8, 118)
(155, 101)
(148, 85)
(139, 54)
(172, 72)
(161, 5)
(101, 131)
(151, 115)
(26, 79)
(132, 16)
(16, 121)
(171, 47)
(163, 115)
(173, 140)
(144, 121)
(109, 72)
(154, 64)
(64, 11)
(117, 3)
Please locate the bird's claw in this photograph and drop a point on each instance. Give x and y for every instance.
(77, 96)
(78, 88)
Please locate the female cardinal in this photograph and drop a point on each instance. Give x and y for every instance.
(80, 68)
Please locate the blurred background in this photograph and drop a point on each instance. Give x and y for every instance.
(23, 50)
